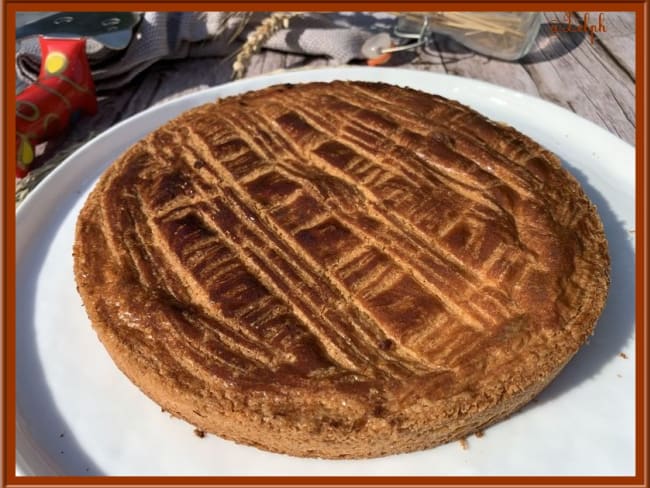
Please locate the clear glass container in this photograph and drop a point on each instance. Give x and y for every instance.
(502, 35)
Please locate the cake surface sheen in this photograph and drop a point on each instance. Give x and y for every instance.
(340, 270)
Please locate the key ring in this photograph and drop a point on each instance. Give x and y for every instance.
(421, 38)
(378, 48)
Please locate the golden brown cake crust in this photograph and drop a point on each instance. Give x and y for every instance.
(341, 270)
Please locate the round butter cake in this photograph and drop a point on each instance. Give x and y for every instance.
(340, 270)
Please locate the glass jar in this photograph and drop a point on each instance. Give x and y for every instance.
(502, 35)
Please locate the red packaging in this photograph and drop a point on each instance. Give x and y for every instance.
(64, 87)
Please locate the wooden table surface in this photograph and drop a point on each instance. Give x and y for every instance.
(595, 79)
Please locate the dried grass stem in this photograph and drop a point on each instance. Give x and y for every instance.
(257, 38)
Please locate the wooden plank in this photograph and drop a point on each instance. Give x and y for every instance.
(564, 68)
(571, 71)
(620, 39)
(622, 50)
(457, 60)
(617, 39)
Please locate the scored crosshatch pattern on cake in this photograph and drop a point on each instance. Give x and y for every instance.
(350, 238)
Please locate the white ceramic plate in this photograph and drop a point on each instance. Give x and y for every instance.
(78, 415)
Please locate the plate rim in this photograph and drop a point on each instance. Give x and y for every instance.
(253, 83)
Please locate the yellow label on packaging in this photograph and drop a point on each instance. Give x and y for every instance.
(25, 152)
(55, 62)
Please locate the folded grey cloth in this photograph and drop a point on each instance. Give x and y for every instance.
(176, 35)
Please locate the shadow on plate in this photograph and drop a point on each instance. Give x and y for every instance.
(48, 432)
(615, 328)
